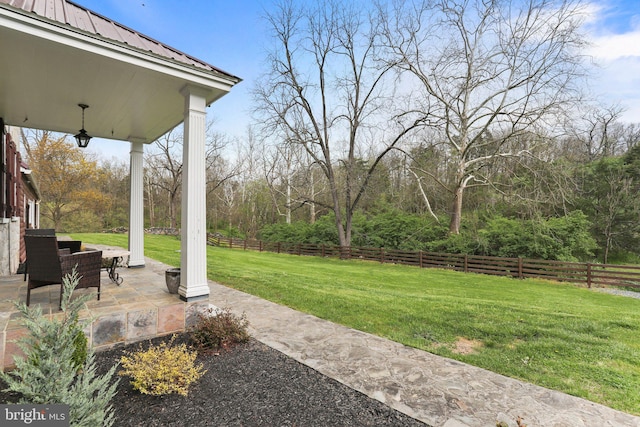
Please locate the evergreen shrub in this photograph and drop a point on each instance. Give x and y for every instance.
(323, 231)
(564, 239)
(394, 229)
(58, 367)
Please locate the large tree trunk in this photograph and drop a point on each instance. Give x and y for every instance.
(150, 203)
(341, 233)
(456, 211)
(456, 206)
(173, 209)
(342, 237)
(288, 203)
(312, 205)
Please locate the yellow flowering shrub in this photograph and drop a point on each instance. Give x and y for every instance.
(162, 369)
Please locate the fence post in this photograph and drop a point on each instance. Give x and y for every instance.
(381, 255)
(278, 247)
(245, 244)
(589, 275)
(260, 242)
(420, 258)
(230, 243)
(299, 249)
(520, 268)
(323, 253)
(466, 263)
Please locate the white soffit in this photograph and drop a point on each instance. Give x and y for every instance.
(48, 68)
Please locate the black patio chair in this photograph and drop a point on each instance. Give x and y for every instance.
(48, 265)
(73, 245)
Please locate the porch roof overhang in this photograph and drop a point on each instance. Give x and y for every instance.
(48, 67)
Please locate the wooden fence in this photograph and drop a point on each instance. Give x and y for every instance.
(577, 272)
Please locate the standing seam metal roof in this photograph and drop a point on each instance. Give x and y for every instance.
(81, 18)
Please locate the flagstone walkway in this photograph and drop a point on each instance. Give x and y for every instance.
(433, 389)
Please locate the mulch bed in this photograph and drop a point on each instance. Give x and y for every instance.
(248, 385)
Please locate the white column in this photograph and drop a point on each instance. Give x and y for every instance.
(193, 264)
(136, 205)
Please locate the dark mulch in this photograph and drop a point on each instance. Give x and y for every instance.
(250, 385)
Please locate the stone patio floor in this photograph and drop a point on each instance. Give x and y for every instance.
(140, 308)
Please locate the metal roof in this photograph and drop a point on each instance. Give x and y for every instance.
(57, 55)
(80, 18)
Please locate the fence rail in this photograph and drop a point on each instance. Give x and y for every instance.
(576, 272)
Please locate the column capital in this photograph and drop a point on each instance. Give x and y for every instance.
(195, 98)
(137, 145)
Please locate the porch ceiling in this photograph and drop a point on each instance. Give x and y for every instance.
(48, 68)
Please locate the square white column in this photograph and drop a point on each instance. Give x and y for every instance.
(136, 205)
(193, 263)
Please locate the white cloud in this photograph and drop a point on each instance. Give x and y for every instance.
(613, 30)
(592, 13)
(616, 46)
(614, 34)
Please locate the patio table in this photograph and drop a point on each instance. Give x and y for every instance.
(111, 258)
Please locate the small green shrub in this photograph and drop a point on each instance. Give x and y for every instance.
(220, 329)
(80, 348)
(58, 367)
(162, 369)
(78, 342)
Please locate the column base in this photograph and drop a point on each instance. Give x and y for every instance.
(193, 292)
(195, 298)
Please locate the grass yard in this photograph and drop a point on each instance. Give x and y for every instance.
(557, 336)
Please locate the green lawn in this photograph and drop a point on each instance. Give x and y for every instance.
(558, 336)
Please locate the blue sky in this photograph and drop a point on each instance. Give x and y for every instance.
(614, 29)
(226, 34)
(231, 35)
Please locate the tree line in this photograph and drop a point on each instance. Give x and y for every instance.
(469, 117)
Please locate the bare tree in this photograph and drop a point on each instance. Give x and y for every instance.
(163, 171)
(327, 92)
(279, 169)
(500, 67)
(219, 169)
(596, 131)
(290, 172)
(630, 135)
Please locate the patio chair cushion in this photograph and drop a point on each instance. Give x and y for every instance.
(73, 245)
(40, 232)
